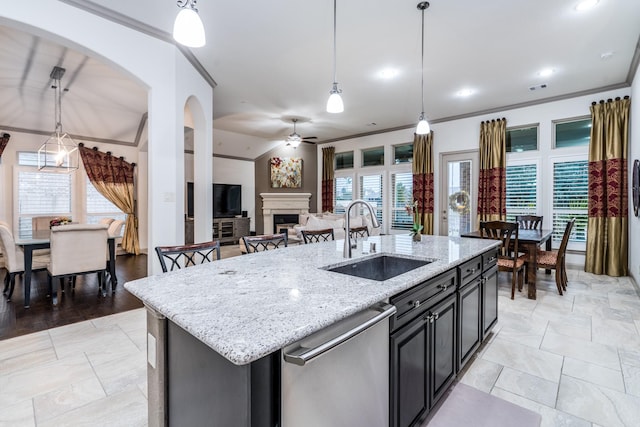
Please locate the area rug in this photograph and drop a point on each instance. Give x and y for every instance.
(467, 406)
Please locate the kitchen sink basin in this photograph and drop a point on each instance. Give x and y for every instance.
(381, 267)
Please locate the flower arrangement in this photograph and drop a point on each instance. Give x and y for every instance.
(61, 220)
(412, 209)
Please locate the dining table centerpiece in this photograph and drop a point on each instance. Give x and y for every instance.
(61, 220)
(416, 228)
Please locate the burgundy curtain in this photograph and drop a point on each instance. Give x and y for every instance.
(114, 179)
(423, 180)
(492, 188)
(3, 142)
(328, 159)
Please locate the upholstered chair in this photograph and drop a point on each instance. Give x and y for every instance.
(41, 222)
(115, 230)
(14, 260)
(78, 249)
(106, 221)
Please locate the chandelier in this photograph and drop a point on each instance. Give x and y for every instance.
(59, 153)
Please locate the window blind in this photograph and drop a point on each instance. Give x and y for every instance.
(570, 199)
(342, 193)
(401, 194)
(371, 191)
(522, 190)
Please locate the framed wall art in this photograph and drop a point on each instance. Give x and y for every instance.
(286, 172)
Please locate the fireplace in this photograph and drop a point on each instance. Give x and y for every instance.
(281, 221)
(283, 204)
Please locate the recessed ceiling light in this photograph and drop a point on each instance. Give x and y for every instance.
(586, 5)
(463, 93)
(388, 73)
(545, 72)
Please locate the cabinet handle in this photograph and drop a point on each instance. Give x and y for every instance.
(443, 287)
(492, 259)
(415, 303)
(431, 317)
(472, 270)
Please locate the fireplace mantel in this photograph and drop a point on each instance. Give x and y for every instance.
(282, 203)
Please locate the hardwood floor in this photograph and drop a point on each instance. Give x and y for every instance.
(82, 303)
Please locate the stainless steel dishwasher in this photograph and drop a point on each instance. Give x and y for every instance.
(339, 376)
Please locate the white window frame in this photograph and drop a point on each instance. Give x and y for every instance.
(375, 171)
(574, 246)
(530, 161)
(353, 185)
(390, 205)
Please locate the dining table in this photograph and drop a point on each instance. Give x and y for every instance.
(528, 241)
(30, 241)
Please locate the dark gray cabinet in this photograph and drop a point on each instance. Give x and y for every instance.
(477, 302)
(422, 348)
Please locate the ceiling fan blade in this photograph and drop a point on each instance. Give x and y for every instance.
(309, 142)
(309, 137)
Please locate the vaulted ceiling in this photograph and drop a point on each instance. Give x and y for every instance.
(272, 61)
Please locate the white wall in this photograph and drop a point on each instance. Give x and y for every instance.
(634, 153)
(231, 171)
(171, 81)
(464, 134)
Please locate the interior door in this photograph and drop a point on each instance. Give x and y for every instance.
(458, 192)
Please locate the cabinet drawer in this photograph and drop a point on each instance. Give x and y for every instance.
(489, 259)
(419, 298)
(470, 270)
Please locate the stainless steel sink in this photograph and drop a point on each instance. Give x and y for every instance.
(380, 268)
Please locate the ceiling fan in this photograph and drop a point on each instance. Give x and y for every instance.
(294, 139)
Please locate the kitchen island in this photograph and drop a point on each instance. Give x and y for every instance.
(244, 310)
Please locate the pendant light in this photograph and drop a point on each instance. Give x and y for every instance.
(423, 125)
(188, 29)
(334, 104)
(59, 153)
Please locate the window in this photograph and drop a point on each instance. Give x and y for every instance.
(522, 139)
(41, 194)
(373, 156)
(572, 133)
(342, 193)
(344, 160)
(371, 191)
(99, 207)
(522, 190)
(403, 153)
(570, 200)
(402, 194)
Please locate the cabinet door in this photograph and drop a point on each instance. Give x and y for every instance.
(408, 364)
(442, 347)
(490, 300)
(470, 321)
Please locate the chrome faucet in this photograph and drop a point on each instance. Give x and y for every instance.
(347, 226)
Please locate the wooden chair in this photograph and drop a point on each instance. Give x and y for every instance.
(14, 260)
(508, 257)
(78, 249)
(264, 242)
(315, 236)
(356, 232)
(529, 222)
(555, 260)
(188, 255)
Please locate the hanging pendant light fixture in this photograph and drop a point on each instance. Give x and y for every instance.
(188, 29)
(294, 140)
(334, 104)
(59, 153)
(423, 127)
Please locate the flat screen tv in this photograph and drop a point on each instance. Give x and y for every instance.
(227, 200)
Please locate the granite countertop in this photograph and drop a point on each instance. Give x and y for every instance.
(249, 306)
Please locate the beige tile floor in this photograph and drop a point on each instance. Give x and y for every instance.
(575, 359)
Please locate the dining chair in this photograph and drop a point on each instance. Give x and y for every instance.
(78, 249)
(265, 242)
(355, 232)
(555, 260)
(315, 236)
(529, 222)
(41, 222)
(509, 259)
(106, 221)
(14, 260)
(115, 230)
(184, 256)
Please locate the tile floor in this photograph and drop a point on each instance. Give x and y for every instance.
(574, 359)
